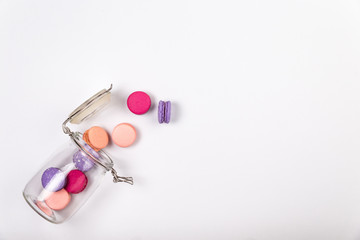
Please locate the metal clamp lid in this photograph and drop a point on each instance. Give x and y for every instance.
(85, 110)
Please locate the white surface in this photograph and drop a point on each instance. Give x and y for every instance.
(264, 141)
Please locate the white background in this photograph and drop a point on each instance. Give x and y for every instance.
(265, 136)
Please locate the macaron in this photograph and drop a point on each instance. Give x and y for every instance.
(82, 161)
(164, 112)
(124, 134)
(139, 102)
(76, 181)
(43, 207)
(96, 137)
(58, 200)
(53, 179)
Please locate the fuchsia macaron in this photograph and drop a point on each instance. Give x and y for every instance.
(76, 181)
(139, 102)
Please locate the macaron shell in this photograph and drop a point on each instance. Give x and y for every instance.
(124, 134)
(43, 207)
(76, 181)
(139, 102)
(167, 111)
(161, 112)
(53, 179)
(97, 137)
(58, 200)
(91, 151)
(86, 139)
(82, 161)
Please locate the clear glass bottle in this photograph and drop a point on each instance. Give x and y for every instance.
(72, 173)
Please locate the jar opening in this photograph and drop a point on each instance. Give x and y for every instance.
(101, 158)
(90, 106)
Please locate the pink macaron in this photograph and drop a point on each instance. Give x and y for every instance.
(57, 200)
(124, 134)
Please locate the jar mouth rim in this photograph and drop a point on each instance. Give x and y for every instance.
(90, 106)
(104, 160)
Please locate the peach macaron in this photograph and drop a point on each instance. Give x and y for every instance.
(96, 137)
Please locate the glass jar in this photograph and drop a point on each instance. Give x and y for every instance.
(72, 173)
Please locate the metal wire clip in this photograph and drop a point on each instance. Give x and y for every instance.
(84, 111)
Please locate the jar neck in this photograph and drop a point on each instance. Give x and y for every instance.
(103, 159)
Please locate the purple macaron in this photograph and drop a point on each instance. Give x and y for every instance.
(82, 161)
(53, 179)
(164, 112)
(161, 111)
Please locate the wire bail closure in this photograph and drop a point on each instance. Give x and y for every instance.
(85, 110)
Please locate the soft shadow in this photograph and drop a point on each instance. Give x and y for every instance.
(175, 112)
